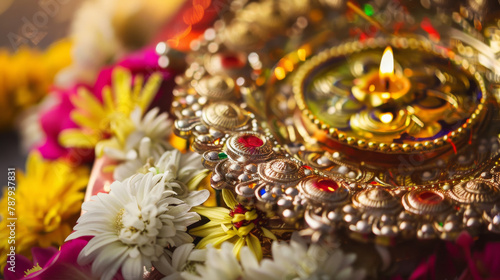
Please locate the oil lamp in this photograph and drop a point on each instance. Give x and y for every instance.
(385, 93)
(383, 86)
(422, 102)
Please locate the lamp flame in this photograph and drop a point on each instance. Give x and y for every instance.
(386, 117)
(387, 63)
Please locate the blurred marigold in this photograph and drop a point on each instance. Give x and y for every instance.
(26, 76)
(48, 199)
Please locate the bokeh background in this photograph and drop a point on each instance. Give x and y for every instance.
(52, 22)
(94, 34)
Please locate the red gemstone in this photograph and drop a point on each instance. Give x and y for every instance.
(428, 197)
(326, 185)
(250, 141)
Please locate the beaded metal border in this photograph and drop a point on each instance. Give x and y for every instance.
(353, 47)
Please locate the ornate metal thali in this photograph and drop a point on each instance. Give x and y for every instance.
(284, 116)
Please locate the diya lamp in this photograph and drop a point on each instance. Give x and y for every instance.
(422, 104)
(384, 93)
(384, 86)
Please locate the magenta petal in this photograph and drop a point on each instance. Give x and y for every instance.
(51, 149)
(490, 258)
(55, 120)
(42, 255)
(454, 251)
(465, 240)
(425, 270)
(22, 264)
(139, 59)
(143, 62)
(63, 265)
(103, 80)
(71, 249)
(49, 121)
(58, 117)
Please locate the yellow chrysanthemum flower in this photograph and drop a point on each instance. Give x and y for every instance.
(25, 77)
(109, 123)
(239, 225)
(48, 199)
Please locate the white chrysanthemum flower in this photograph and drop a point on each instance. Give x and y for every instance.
(172, 264)
(296, 260)
(218, 264)
(153, 125)
(183, 171)
(133, 225)
(146, 153)
(147, 143)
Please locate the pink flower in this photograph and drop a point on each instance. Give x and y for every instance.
(488, 260)
(144, 63)
(55, 120)
(465, 258)
(58, 118)
(54, 264)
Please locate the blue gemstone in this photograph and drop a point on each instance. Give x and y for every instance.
(262, 191)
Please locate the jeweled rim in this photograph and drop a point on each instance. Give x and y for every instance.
(396, 42)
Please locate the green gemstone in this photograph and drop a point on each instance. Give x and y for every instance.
(440, 224)
(369, 11)
(222, 156)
